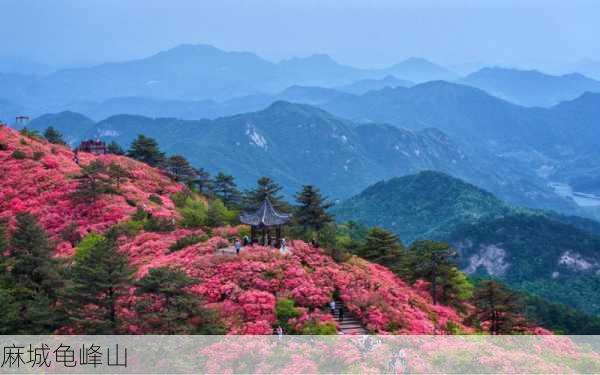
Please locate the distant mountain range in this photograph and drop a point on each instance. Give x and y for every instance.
(198, 72)
(531, 87)
(545, 253)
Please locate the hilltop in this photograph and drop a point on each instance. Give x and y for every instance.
(40, 178)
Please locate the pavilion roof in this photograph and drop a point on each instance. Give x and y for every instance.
(266, 215)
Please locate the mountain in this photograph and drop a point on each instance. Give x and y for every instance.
(531, 87)
(544, 253)
(420, 70)
(318, 70)
(372, 84)
(242, 291)
(425, 205)
(72, 125)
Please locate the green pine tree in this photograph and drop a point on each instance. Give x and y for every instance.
(99, 277)
(115, 149)
(94, 181)
(311, 213)
(31, 279)
(431, 261)
(54, 136)
(146, 150)
(166, 306)
(266, 189)
(498, 308)
(203, 182)
(117, 174)
(226, 190)
(382, 247)
(180, 169)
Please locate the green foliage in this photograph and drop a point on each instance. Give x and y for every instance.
(203, 182)
(311, 213)
(226, 190)
(186, 241)
(156, 199)
(193, 213)
(37, 155)
(265, 189)
(18, 154)
(117, 174)
(54, 136)
(146, 150)
(166, 306)
(316, 328)
(180, 169)
(86, 245)
(114, 148)
(159, 224)
(99, 277)
(499, 308)
(93, 182)
(218, 215)
(30, 280)
(383, 247)
(30, 133)
(285, 310)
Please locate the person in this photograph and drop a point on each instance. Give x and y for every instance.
(246, 240)
(341, 314)
(332, 307)
(283, 247)
(279, 331)
(238, 245)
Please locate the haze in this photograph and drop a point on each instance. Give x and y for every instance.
(361, 33)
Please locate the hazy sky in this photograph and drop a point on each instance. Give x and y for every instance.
(363, 33)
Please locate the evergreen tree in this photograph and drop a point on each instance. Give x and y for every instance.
(115, 149)
(180, 169)
(203, 182)
(431, 261)
(99, 277)
(117, 174)
(146, 150)
(93, 182)
(266, 188)
(31, 279)
(166, 306)
(498, 308)
(226, 189)
(217, 214)
(3, 237)
(382, 247)
(311, 213)
(54, 136)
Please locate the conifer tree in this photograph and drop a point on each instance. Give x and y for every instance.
(54, 136)
(266, 188)
(115, 149)
(31, 279)
(382, 247)
(180, 169)
(226, 189)
(117, 174)
(203, 182)
(166, 306)
(93, 182)
(311, 213)
(146, 150)
(431, 261)
(498, 308)
(99, 277)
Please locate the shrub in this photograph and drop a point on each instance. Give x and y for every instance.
(156, 199)
(38, 155)
(315, 328)
(3, 147)
(70, 234)
(186, 241)
(18, 154)
(285, 310)
(194, 214)
(87, 243)
(129, 228)
(180, 199)
(159, 224)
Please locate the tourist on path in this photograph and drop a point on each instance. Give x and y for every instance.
(341, 314)
(238, 245)
(332, 307)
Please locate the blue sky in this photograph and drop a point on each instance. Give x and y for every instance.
(362, 33)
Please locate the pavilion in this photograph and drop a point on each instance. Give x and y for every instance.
(265, 223)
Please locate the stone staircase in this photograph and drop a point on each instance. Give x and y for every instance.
(349, 324)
